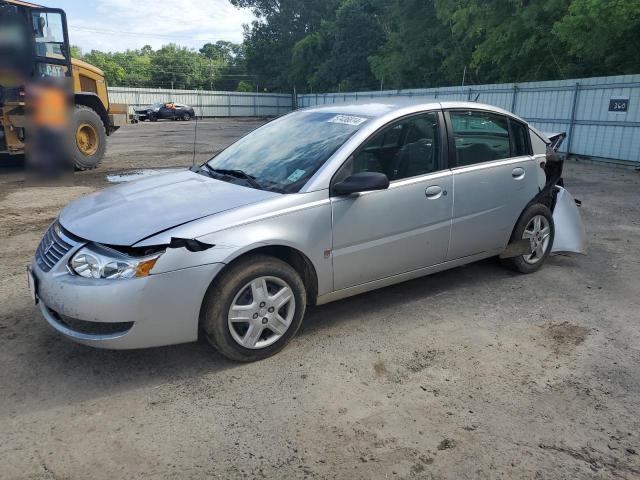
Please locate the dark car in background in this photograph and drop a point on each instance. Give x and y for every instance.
(166, 111)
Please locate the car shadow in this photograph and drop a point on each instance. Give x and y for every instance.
(49, 366)
(390, 298)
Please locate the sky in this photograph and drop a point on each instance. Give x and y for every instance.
(116, 25)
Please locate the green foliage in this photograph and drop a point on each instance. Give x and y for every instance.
(603, 35)
(270, 40)
(216, 66)
(332, 45)
(245, 87)
(355, 44)
(419, 49)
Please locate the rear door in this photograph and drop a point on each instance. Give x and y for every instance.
(494, 178)
(405, 227)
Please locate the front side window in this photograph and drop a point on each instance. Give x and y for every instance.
(479, 137)
(284, 154)
(48, 32)
(405, 149)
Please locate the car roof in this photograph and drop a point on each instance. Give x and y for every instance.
(378, 107)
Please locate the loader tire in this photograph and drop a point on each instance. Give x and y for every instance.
(90, 138)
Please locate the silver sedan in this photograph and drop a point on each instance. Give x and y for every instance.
(315, 206)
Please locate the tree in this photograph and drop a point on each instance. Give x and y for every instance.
(280, 24)
(418, 48)
(358, 34)
(232, 57)
(245, 87)
(337, 55)
(603, 35)
(511, 40)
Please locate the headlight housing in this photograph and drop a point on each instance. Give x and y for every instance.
(98, 261)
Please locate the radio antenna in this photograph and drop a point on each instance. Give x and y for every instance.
(195, 137)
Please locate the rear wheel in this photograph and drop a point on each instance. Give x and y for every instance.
(254, 308)
(535, 225)
(186, 117)
(90, 140)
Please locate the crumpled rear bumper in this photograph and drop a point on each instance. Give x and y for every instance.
(570, 235)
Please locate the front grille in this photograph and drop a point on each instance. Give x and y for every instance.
(54, 245)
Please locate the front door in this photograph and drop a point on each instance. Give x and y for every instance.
(406, 227)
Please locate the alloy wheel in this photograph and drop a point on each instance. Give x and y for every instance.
(261, 312)
(538, 232)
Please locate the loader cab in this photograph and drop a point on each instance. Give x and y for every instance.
(50, 39)
(35, 40)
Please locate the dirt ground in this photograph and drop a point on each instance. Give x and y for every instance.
(472, 373)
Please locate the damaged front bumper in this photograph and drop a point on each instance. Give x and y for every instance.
(160, 309)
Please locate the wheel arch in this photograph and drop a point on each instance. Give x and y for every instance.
(92, 101)
(290, 255)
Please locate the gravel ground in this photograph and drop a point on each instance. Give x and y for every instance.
(472, 373)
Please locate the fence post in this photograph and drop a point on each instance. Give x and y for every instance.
(469, 95)
(513, 100)
(255, 104)
(229, 105)
(573, 117)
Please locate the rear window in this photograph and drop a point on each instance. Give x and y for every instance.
(519, 139)
(479, 136)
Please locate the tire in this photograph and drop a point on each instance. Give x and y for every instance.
(153, 117)
(186, 116)
(234, 287)
(90, 138)
(526, 228)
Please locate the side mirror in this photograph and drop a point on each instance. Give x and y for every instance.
(361, 182)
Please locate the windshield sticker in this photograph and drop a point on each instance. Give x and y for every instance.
(296, 175)
(347, 120)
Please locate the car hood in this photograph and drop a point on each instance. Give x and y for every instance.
(130, 212)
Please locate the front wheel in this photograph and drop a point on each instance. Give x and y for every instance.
(535, 225)
(254, 308)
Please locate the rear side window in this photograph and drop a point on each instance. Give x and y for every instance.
(479, 137)
(519, 140)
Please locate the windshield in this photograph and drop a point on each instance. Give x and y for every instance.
(284, 154)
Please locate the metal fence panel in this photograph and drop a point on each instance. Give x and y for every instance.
(208, 103)
(579, 107)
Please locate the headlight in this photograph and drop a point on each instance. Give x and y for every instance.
(97, 261)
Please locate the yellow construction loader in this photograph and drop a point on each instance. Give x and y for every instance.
(34, 47)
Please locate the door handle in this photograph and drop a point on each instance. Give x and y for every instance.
(518, 173)
(434, 191)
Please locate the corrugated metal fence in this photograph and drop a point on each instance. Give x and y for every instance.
(580, 107)
(208, 103)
